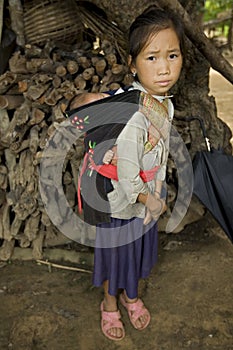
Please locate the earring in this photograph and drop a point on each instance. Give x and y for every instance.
(134, 74)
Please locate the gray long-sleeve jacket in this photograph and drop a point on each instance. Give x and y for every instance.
(131, 158)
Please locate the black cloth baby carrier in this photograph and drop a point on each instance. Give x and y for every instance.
(101, 122)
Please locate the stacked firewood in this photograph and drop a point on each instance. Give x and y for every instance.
(35, 93)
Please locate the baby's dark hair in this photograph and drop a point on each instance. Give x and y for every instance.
(149, 23)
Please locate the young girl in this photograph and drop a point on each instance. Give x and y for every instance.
(155, 60)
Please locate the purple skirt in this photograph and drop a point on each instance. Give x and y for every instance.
(123, 261)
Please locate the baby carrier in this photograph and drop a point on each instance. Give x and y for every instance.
(101, 122)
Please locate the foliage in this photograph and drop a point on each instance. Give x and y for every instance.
(213, 8)
(217, 9)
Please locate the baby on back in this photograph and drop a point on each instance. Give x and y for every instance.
(88, 97)
(85, 98)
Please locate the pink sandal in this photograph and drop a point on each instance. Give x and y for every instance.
(136, 310)
(110, 320)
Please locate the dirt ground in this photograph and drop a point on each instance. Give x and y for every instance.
(189, 292)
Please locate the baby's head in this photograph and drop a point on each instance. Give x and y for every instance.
(85, 98)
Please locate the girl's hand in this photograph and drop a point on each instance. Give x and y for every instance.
(108, 157)
(156, 206)
(147, 218)
(111, 156)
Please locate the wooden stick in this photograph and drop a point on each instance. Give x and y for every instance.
(62, 266)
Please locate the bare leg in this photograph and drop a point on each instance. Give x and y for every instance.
(110, 305)
(110, 302)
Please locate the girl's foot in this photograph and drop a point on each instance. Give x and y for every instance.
(111, 324)
(138, 313)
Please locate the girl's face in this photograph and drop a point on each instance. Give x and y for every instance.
(159, 63)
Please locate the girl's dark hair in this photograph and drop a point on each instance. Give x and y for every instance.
(151, 22)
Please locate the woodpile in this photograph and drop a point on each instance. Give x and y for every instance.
(35, 93)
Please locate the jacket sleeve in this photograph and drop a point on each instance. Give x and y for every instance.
(130, 150)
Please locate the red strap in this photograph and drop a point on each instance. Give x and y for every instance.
(110, 171)
(107, 170)
(149, 175)
(85, 159)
